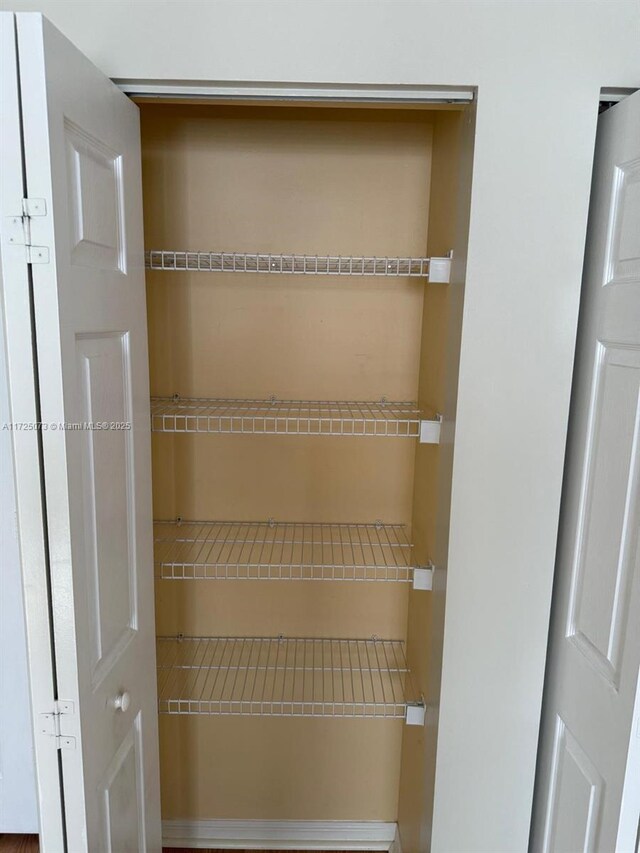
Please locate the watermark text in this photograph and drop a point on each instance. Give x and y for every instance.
(61, 426)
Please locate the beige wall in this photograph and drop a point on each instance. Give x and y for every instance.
(432, 475)
(304, 181)
(283, 768)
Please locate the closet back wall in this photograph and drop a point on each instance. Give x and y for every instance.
(283, 180)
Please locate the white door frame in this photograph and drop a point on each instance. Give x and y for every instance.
(330, 93)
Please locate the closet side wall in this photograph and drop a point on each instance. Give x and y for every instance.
(268, 180)
(438, 372)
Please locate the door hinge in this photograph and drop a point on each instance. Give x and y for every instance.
(52, 725)
(37, 254)
(19, 230)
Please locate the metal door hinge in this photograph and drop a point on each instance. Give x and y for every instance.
(18, 230)
(34, 207)
(37, 254)
(52, 725)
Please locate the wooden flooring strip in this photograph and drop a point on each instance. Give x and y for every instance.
(14, 843)
(29, 844)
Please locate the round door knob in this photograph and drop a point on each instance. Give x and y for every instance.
(122, 701)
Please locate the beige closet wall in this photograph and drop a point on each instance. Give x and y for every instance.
(432, 467)
(284, 180)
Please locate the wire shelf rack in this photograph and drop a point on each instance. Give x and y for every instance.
(270, 550)
(285, 417)
(241, 262)
(286, 677)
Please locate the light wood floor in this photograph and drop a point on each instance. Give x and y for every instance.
(29, 844)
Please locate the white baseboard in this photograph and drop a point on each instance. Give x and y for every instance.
(396, 846)
(280, 834)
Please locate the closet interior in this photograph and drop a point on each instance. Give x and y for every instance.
(300, 322)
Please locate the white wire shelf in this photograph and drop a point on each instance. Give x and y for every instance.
(288, 417)
(286, 677)
(270, 550)
(435, 269)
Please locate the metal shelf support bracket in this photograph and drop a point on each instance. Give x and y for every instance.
(430, 431)
(416, 713)
(440, 269)
(423, 577)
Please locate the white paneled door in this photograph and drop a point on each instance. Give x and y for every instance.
(588, 793)
(82, 228)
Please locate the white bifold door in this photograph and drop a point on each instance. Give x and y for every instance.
(588, 790)
(74, 304)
